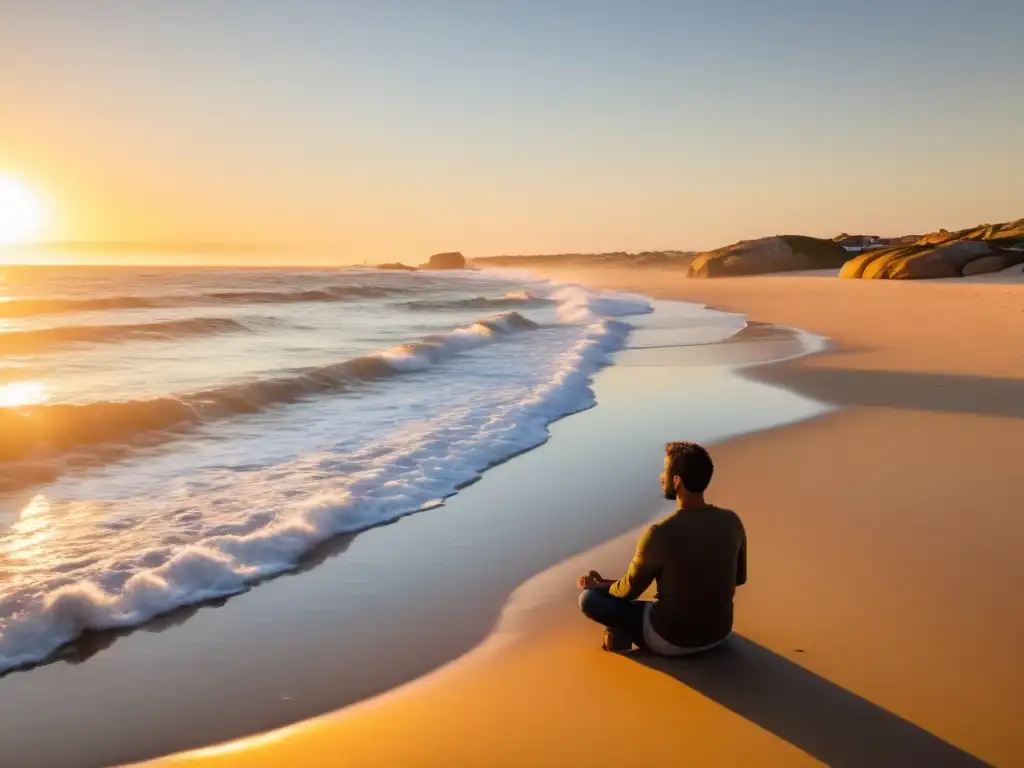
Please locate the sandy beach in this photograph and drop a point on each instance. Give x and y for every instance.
(370, 611)
(348, 350)
(882, 621)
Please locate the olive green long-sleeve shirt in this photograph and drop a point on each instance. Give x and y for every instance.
(697, 557)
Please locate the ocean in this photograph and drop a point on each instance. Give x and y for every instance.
(168, 436)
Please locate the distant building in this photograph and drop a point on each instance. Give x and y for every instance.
(856, 243)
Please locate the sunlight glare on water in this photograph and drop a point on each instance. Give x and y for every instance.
(21, 393)
(27, 537)
(185, 433)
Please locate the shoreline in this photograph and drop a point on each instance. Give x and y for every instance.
(270, 656)
(881, 602)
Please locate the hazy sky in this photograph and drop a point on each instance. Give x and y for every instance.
(395, 129)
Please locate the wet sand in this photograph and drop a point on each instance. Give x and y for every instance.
(882, 624)
(372, 611)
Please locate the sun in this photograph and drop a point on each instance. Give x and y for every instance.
(21, 212)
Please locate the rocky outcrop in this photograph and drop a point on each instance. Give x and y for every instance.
(450, 260)
(783, 253)
(943, 261)
(856, 266)
(398, 266)
(748, 257)
(1006, 234)
(944, 254)
(985, 265)
(985, 248)
(922, 262)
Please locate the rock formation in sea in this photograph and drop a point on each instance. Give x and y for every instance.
(450, 260)
(397, 265)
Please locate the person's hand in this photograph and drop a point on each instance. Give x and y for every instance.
(591, 580)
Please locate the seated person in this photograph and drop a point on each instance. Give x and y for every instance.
(697, 556)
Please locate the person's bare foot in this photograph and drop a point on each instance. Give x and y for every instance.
(617, 642)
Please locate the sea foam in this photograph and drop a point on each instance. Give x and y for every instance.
(110, 428)
(212, 530)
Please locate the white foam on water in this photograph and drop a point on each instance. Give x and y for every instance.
(210, 520)
(577, 304)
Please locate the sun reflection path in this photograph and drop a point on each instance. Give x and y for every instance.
(25, 542)
(21, 393)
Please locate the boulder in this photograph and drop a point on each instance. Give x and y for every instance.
(868, 263)
(751, 257)
(705, 265)
(783, 253)
(854, 268)
(882, 266)
(943, 261)
(985, 264)
(916, 267)
(450, 260)
(917, 262)
(822, 254)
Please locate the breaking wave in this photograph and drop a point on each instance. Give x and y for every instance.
(39, 432)
(35, 307)
(511, 300)
(42, 339)
(210, 540)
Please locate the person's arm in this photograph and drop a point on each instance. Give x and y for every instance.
(741, 561)
(646, 565)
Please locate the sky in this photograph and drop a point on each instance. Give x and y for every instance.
(392, 130)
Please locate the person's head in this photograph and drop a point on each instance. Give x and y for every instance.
(688, 470)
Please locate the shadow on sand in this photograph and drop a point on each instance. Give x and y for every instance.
(817, 716)
(935, 392)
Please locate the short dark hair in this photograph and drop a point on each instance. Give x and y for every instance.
(692, 464)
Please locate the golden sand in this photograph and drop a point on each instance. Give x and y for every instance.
(883, 623)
